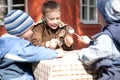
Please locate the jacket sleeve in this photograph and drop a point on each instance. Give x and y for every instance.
(35, 54)
(64, 45)
(37, 36)
(102, 48)
(67, 48)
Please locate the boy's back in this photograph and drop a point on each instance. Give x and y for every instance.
(16, 52)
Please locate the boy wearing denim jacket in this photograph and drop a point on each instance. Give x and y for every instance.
(16, 51)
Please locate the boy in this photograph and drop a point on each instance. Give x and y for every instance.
(50, 31)
(103, 52)
(16, 52)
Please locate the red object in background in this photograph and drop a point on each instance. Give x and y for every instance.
(2, 30)
(70, 14)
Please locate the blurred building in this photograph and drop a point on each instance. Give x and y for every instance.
(80, 14)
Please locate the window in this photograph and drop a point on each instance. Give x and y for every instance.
(89, 11)
(8, 5)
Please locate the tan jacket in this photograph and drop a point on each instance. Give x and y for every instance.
(43, 33)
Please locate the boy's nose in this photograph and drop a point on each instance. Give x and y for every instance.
(56, 21)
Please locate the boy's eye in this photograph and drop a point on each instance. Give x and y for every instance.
(57, 18)
(52, 19)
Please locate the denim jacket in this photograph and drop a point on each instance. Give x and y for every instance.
(16, 56)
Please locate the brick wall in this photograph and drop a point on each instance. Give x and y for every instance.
(2, 30)
(70, 15)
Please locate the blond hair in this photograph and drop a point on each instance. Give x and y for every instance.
(50, 5)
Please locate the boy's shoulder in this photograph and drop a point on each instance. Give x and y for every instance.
(11, 39)
(39, 22)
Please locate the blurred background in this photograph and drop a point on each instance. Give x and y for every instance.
(81, 15)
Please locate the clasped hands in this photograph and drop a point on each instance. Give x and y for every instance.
(68, 40)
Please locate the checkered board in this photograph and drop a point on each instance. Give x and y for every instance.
(67, 68)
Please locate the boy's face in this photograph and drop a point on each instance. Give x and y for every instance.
(28, 34)
(101, 20)
(53, 18)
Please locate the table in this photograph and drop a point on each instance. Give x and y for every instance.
(66, 68)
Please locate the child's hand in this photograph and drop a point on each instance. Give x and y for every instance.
(52, 43)
(85, 39)
(68, 40)
(60, 53)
